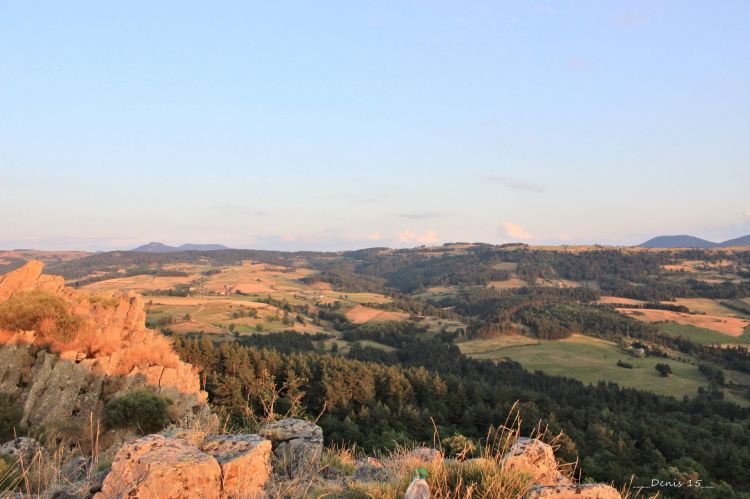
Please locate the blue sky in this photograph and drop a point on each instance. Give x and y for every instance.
(332, 125)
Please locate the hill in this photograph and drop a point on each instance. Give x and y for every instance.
(685, 241)
(738, 241)
(156, 247)
(682, 241)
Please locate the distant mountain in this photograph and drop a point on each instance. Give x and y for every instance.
(739, 241)
(692, 242)
(677, 242)
(155, 247)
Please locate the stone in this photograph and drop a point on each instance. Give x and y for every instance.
(76, 469)
(245, 462)
(425, 455)
(370, 469)
(569, 491)
(418, 489)
(20, 448)
(531, 455)
(155, 467)
(297, 444)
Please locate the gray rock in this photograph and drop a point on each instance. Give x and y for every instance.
(297, 445)
(21, 447)
(76, 469)
(370, 470)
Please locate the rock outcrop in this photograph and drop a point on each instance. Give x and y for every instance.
(113, 353)
(571, 491)
(245, 462)
(156, 467)
(225, 466)
(537, 458)
(21, 448)
(182, 463)
(297, 444)
(29, 277)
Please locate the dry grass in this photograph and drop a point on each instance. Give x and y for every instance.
(484, 477)
(730, 326)
(42, 474)
(56, 326)
(361, 314)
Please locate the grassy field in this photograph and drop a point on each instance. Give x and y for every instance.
(704, 336)
(708, 306)
(591, 360)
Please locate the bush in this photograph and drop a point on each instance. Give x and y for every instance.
(142, 410)
(40, 311)
(663, 369)
(10, 418)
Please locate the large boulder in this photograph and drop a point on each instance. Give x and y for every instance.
(155, 467)
(578, 491)
(28, 277)
(297, 444)
(245, 462)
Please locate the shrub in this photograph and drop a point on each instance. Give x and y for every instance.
(10, 418)
(459, 446)
(141, 409)
(41, 311)
(663, 369)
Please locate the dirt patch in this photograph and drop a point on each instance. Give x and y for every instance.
(617, 300)
(726, 325)
(195, 327)
(361, 314)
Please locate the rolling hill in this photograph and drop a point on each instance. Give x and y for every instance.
(156, 247)
(685, 241)
(681, 241)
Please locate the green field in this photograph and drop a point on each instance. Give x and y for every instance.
(591, 360)
(704, 336)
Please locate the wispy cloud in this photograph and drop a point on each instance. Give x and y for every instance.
(514, 183)
(420, 215)
(747, 215)
(515, 231)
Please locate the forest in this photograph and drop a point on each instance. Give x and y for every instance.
(377, 399)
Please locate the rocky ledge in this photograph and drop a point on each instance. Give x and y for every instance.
(285, 459)
(113, 354)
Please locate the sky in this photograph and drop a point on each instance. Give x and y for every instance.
(346, 124)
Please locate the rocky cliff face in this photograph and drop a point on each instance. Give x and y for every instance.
(111, 353)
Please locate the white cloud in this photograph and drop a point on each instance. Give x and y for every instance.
(429, 237)
(747, 215)
(517, 232)
(375, 236)
(406, 236)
